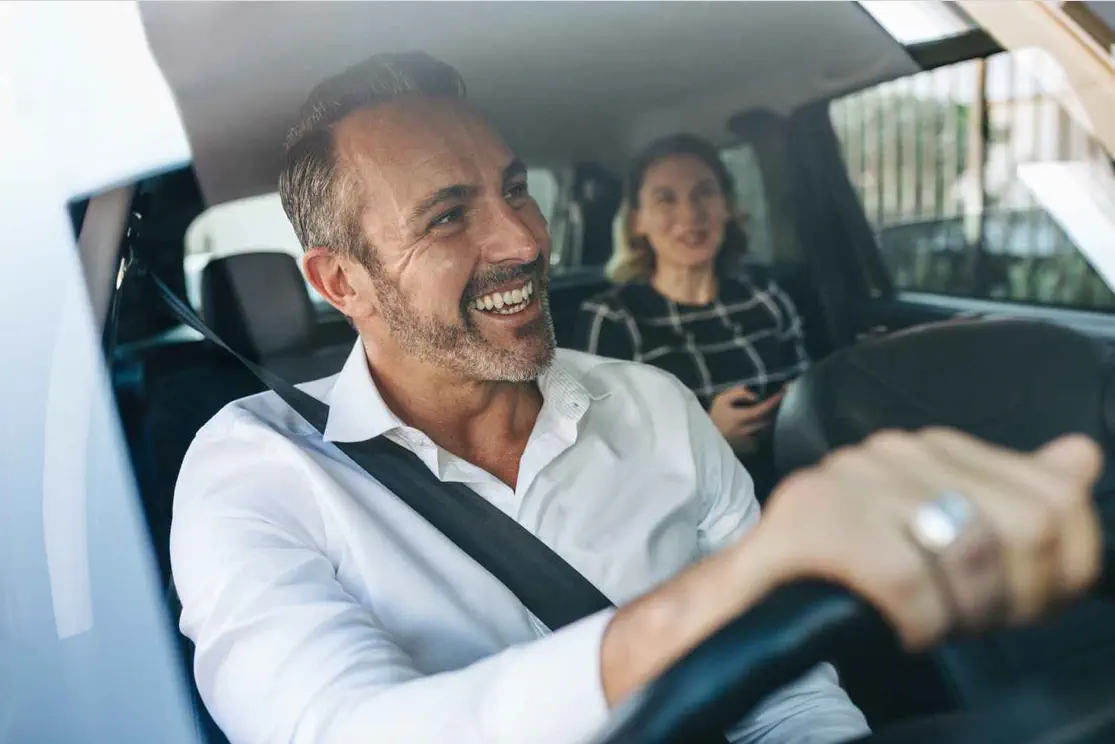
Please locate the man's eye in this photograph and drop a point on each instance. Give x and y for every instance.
(456, 214)
(517, 191)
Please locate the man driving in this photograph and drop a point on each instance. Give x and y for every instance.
(325, 611)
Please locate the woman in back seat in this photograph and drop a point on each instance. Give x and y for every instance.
(683, 303)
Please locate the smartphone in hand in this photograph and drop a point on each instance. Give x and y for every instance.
(771, 398)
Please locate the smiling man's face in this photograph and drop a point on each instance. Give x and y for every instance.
(458, 251)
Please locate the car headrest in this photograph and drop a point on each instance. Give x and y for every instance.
(1016, 383)
(258, 303)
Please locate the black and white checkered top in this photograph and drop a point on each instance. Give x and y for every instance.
(747, 336)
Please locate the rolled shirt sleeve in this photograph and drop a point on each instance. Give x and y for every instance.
(814, 709)
(285, 655)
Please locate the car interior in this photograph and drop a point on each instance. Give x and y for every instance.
(886, 184)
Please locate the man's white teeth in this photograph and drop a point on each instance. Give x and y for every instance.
(506, 303)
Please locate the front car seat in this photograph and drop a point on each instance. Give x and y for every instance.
(1016, 383)
(257, 302)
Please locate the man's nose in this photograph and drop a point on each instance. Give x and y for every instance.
(509, 236)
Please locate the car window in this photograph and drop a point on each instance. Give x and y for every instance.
(751, 200)
(259, 223)
(981, 179)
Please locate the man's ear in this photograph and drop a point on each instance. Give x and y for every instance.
(331, 275)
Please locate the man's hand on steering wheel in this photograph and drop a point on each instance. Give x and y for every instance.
(940, 531)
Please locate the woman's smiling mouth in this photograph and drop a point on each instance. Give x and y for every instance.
(694, 238)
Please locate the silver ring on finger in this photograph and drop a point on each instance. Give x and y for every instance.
(938, 524)
(965, 556)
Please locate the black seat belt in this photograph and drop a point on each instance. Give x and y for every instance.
(542, 580)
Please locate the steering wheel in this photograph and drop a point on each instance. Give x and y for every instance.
(799, 625)
(993, 389)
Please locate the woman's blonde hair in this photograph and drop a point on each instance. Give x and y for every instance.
(630, 261)
(632, 255)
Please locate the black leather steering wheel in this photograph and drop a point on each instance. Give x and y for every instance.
(796, 627)
(982, 377)
(728, 674)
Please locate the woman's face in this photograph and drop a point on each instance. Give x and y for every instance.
(682, 212)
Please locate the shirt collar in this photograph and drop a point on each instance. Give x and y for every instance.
(357, 411)
(562, 390)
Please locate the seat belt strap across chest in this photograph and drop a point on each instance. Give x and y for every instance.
(550, 588)
(541, 579)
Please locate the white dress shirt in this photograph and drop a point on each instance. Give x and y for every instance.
(325, 611)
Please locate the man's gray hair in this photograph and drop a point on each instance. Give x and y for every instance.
(318, 196)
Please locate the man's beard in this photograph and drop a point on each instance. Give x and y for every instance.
(461, 347)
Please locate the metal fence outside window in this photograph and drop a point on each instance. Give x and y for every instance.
(975, 177)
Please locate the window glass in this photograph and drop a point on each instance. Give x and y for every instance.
(751, 201)
(982, 179)
(543, 186)
(546, 190)
(259, 223)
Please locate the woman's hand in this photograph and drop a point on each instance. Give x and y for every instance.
(873, 518)
(739, 418)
